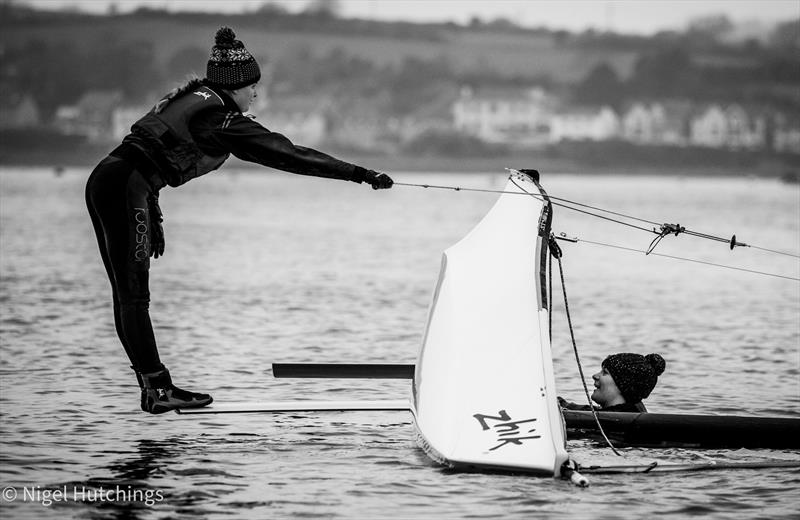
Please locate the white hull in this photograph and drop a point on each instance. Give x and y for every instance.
(484, 392)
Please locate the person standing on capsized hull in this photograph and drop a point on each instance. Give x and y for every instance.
(624, 380)
(189, 132)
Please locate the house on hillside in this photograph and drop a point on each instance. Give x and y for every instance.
(731, 127)
(746, 128)
(91, 116)
(661, 123)
(18, 111)
(640, 122)
(513, 116)
(786, 136)
(674, 125)
(709, 127)
(584, 124)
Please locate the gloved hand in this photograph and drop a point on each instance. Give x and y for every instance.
(158, 239)
(156, 228)
(379, 181)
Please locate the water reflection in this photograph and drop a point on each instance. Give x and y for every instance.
(135, 485)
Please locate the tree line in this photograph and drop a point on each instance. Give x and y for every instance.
(693, 65)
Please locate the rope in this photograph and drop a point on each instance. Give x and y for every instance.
(563, 205)
(752, 271)
(555, 251)
(552, 198)
(550, 293)
(564, 202)
(663, 229)
(775, 251)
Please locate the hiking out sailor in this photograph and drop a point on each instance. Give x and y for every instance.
(188, 133)
(624, 380)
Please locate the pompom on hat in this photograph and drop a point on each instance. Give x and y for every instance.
(230, 65)
(635, 375)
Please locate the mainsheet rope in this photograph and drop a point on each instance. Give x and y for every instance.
(664, 229)
(563, 203)
(555, 252)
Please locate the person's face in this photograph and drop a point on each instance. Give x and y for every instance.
(244, 96)
(606, 392)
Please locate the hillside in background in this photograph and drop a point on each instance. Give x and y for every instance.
(393, 69)
(502, 53)
(169, 46)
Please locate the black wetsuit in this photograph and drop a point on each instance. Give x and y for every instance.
(122, 194)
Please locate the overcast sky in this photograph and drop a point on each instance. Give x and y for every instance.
(626, 16)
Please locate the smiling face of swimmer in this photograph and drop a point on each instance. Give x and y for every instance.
(606, 392)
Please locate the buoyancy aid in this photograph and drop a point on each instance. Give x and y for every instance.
(165, 133)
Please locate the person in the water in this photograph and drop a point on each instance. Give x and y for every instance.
(188, 133)
(624, 380)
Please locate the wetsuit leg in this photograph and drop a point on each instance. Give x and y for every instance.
(101, 243)
(116, 196)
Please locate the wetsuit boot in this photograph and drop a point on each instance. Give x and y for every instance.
(160, 395)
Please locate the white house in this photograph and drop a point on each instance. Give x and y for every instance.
(585, 124)
(665, 122)
(746, 130)
(710, 127)
(639, 123)
(730, 127)
(511, 116)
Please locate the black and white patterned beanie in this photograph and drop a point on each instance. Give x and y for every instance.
(230, 65)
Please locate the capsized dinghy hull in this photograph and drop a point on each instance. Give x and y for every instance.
(484, 391)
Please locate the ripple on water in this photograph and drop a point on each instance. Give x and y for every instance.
(69, 403)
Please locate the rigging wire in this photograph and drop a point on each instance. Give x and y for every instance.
(550, 197)
(555, 252)
(634, 250)
(484, 190)
(775, 251)
(565, 204)
(664, 229)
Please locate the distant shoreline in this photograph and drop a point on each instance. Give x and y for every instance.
(446, 165)
(580, 158)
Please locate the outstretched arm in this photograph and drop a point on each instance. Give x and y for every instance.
(249, 141)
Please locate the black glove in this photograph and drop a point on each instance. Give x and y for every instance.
(156, 228)
(379, 181)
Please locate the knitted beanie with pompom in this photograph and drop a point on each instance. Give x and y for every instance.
(635, 375)
(230, 65)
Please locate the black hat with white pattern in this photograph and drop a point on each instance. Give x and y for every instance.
(230, 65)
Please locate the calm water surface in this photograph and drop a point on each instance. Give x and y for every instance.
(263, 267)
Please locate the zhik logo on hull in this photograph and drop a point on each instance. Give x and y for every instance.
(508, 430)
